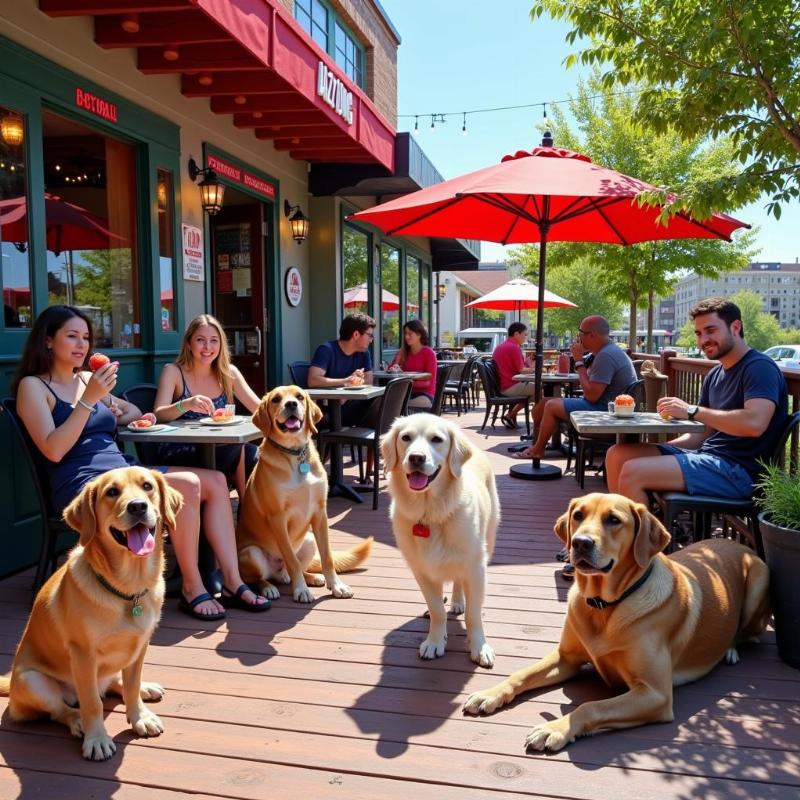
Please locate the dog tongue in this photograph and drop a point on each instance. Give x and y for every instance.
(417, 480)
(292, 424)
(141, 541)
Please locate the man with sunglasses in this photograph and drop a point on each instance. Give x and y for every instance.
(608, 374)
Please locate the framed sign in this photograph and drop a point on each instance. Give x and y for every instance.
(193, 261)
(293, 284)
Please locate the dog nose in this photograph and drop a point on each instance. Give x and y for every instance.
(415, 460)
(291, 404)
(137, 507)
(582, 544)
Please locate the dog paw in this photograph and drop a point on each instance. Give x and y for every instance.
(731, 656)
(148, 724)
(151, 691)
(432, 648)
(283, 577)
(98, 748)
(270, 592)
(456, 609)
(482, 703)
(550, 736)
(313, 579)
(340, 589)
(303, 595)
(483, 655)
(72, 719)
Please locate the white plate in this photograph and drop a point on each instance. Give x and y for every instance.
(353, 388)
(211, 421)
(157, 427)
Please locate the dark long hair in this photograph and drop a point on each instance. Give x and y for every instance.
(415, 326)
(36, 357)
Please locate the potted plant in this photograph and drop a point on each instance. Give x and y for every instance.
(778, 497)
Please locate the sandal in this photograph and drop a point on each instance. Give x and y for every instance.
(562, 554)
(188, 607)
(509, 423)
(234, 600)
(522, 456)
(568, 572)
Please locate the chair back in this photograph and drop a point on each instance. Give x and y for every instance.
(394, 403)
(778, 455)
(442, 376)
(298, 371)
(490, 380)
(636, 390)
(143, 396)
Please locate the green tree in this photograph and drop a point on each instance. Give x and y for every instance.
(720, 67)
(761, 330)
(607, 132)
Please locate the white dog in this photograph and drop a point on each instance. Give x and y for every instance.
(445, 514)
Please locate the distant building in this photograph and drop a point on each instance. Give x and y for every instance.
(778, 285)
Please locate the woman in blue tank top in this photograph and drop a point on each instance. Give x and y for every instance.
(71, 416)
(203, 379)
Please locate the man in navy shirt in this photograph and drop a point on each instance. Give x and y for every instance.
(743, 404)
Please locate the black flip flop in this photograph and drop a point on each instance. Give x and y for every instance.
(568, 572)
(188, 607)
(562, 554)
(234, 600)
(509, 423)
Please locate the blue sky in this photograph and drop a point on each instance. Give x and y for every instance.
(460, 55)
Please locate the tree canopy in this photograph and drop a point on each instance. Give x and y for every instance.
(716, 68)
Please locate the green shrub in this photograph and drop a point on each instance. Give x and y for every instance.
(778, 496)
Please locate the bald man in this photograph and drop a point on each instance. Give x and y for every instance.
(609, 374)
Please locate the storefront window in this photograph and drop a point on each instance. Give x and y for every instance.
(166, 248)
(347, 54)
(425, 299)
(412, 287)
(313, 17)
(90, 214)
(355, 270)
(390, 301)
(16, 268)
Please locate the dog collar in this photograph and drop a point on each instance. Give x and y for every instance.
(598, 602)
(421, 530)
(136, 611)
(300, 452)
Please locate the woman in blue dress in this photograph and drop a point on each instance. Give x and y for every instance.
(201, 380)
(71, 417)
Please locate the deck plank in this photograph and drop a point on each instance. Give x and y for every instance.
(331, 698)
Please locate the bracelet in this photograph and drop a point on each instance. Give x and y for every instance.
(578, 364)
(90, 409)
(179, 406)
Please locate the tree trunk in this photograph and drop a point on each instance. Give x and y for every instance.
(650, 315)
(633, 296)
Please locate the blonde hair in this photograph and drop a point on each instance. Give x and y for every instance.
(221, 365)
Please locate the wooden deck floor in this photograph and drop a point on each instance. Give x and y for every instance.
(331, 701)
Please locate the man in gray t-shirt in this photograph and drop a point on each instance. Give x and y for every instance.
(608, 375)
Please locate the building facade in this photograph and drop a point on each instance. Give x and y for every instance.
(160, 160)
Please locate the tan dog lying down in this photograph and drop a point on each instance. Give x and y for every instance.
(645, 621)
(445, 513)
(94, 617)
(287, 492)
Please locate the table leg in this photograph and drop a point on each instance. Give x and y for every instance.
(336, 485)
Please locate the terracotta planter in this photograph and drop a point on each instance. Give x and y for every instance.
(782, 554)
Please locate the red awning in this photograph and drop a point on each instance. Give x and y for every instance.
(254, 62)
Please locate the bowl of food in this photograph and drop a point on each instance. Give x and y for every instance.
(624, 405)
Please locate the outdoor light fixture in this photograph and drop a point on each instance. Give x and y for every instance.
(11, 130)
(298, 220)
(161, 195)
(442, 291)
(211, 190)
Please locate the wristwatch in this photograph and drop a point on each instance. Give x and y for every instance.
(691, 411)
(578, 364)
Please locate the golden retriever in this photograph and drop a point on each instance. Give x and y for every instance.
(286, 493)
(94, 617)
(445, 514)
(645, 621)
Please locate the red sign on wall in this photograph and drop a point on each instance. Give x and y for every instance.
(96, 105)
(240, 176)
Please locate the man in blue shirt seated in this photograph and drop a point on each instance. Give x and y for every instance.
(743, 404)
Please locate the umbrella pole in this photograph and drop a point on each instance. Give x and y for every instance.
(537, 471)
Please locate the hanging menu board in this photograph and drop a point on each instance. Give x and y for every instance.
(233, 259)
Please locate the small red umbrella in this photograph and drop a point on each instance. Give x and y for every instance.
(358, 295)
(545, 195)
(69, 227)
(518, 295)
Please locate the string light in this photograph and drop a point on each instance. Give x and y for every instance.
(464, 125)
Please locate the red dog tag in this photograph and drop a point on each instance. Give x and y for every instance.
(421, 530)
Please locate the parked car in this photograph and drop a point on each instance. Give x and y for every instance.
(785, 355)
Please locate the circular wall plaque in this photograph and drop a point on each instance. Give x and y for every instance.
(293, 284)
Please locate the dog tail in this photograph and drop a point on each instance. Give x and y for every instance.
(345, 560)
(5, 685)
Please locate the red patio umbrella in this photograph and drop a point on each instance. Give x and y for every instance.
(516, 295)
(546, 195)
(358, 295)
(69, 227)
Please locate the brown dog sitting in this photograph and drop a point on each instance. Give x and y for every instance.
(286, 493)
(644, 621)
(94, 617)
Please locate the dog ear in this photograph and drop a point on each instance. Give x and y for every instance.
(389, 448)
(562, 527)
(79, 514)
(460, 451)
(651, 536)
(262, 419)
(313, 414)
(171, 502)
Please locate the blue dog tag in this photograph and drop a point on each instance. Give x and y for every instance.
(304, 468)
